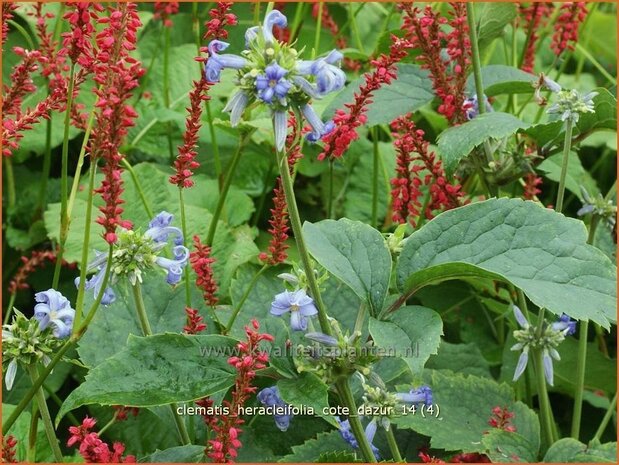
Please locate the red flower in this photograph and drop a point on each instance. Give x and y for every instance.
(202, 263)
(338, 141)
(535, 17)
(571, 15)
(220, 18)
(426, 458)
(92, 448)
(122, 412)
(501, 419)
(77, 42)
(279, 228)
(163, 11)
(473, 457)
(195, 323)
(8, 449)
(21, 81)
(29, 265)
(7, 9)
(223, 448)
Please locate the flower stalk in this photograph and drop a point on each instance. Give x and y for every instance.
(393, 445)
(567, 146)
(45, 416)
(348, 400)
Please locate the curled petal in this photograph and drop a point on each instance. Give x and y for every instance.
(322, 338)
(307, 87)
(370, 431)
(250, 35)
(174, 267)
(548, 369)
(274, 18)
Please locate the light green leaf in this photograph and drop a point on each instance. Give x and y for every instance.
(313, 448)
(157, 370)
(572, 451)
(502, 79)
(20, 430)
(458, 142)
(179, 454)
(412, 332)
(538, 250)
(460, 358)
(409, 92)
(355, 253)
(306, 390)
(492, 19)
(508, 447)
(576, 175)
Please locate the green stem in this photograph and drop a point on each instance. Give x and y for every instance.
(393, 445)
(45, 416)
(318, 30)
(225, 188)
(375, 168)
(479, 86)
(612, 408)
(10, 182)
(297, 229)
(238, 306)
(31, 452)
(567, 145)
(184, 230)
(9, 308)
(75, 337)
(47, 164)
(354, 27)
(297, 21)
(596, 63)
(64, 180)
(146, 329)
(348, 399)
(544, 403)
(330, 191)
(166, 86)
(108, 424)
(138, 187)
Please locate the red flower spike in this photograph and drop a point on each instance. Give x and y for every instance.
(7, 9)
(571, 16)
(21, 82)
(338, 141)
(202, 263)
(92, 448)
(534, 17)
(195, 323)
(226, 428)
(163, 11)
(9, 454)
(122, 412)
(500, 419)
(220, 18)
(37, 259)
(82, 17)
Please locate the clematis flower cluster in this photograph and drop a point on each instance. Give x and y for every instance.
(529, 339)
(349, 437)
(270, 397)
(271, 73)
(135, 253)
(569, 104)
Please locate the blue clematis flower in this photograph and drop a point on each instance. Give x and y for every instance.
(269, 397)
(298, 303)
(216, 62)
(272, 19)
(236, 106)
(174, 266)
(329, 78)
(273, 83)
(565, 323)
(54, 309)
(349, 437)
(95, 283)
(319, 129)
(421, 395)
(471, 106)
(159, 229)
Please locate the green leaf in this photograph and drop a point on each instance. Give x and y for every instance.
(412, 332)
(576, 174)
(492, 19)
(464, 407)
(180, 454)
(538, 250)
(458, 142)
(503, 446)
(460, 358)
(20, 430)
(312, 449)
(409, 92)
(306, 390)
(338, 457)
(502, 79)
(573, 451)
(157, 370)
(355, 253)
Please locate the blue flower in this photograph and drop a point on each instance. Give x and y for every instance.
(349, 437)
(280, 127)
(95, 283)
(174, 267)
(236, 106)
(298, 303)
(159, 229)
(273, 18)
(273, 83)
(269, 397)
(565, 323)
(547, 355)
(520, 318)
(319, 129)
(216, 63)
(421, 395)
(329, 78)
(322, 338)
(54, 309)
(471, 107)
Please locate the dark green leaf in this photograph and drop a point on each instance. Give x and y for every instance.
(573, 451)
(504, 446)
(492, 19)
(502, 79)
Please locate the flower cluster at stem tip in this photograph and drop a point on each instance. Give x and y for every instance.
(270, 72)
(135, 253)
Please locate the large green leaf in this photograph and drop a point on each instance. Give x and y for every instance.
(179, 454)
(305, 390)
(538, 250)
(458, 142)
(355, 253)
(460, 358)
(504, 446)
(158, 370)
(413, 333)
(573, 451)
(312, 449)
(577, 175)
(409, 92)
(492, 19)
(20, 431)
(502, 79)
(464, 407)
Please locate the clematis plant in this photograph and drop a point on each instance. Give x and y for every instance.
(271, 73)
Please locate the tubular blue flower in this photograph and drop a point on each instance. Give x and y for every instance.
(159, 229)
(522, 361)
(273, 83)
(54, 309)
(95, 283)
(250, 35)
(322, 338)
(174, 267)
(329, 78)
(269, 397)
(280, 127)
(236, 106)
(9, 377)
(520, 318)
(299, 304)
(471, 107)
(566, 324)
(216, 63)
(319, 129)
(349, 437)
(547, 355)
(274, 18)
(421, 395)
